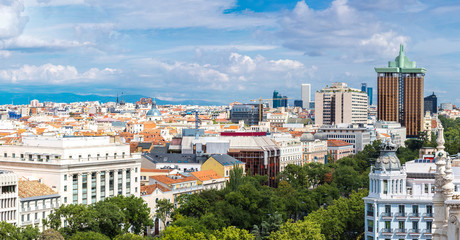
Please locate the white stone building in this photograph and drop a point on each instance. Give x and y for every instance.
(8, 197)
(290, 151)
(420, 200)
(80, 169)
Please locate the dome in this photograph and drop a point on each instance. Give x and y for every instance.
(153, 113)
(320, 136)
(388, 161)
(307, 137)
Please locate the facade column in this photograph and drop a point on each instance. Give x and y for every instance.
(80, 188)
(133, 185)
(98, 186)
(123, 182)
(89, 186)
(115, 182)
(107, 184)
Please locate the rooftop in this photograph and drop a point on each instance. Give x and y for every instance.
(27, 189)
(206, 175)
(226, 160)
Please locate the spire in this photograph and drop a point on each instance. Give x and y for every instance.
(440, 140)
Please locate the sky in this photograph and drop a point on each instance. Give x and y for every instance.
(222, 50)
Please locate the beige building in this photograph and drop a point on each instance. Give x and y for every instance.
(340, 104)
(314, 148)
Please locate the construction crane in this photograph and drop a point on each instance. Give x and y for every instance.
(260, 104)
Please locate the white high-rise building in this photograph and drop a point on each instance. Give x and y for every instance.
(306, 95)
(80, 169)
(340, 104)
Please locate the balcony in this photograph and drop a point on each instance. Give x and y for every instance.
(428, 216)
(400, 231)
(386, 231)
(401, 215)
(386, 215)
(414, 231)
(414, 216)
(370, 213)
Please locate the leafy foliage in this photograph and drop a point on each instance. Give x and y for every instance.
(110, 217)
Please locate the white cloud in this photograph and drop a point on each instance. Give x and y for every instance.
(54, 74)
(341, 27)
(235, 71)
(139, 14)
(12, 19)
(31, 42)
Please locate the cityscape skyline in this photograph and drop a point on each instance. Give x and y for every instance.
(210, 50)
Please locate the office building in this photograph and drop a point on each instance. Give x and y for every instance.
(340, 104)
(249, 113)
(298, 103)
(261, 155)
(80, 169)
(8, 197)
(447, 106)
(400, 93)
(431, 104)
(306, 95)
(354, 134)
(363, 87)
(279, 100)
(370, 95)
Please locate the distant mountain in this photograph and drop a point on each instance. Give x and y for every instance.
(25, 98)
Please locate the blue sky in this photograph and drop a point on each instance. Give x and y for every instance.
(222, 50)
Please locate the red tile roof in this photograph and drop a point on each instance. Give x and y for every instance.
(149, 189)
(206, 175)
(167, 180)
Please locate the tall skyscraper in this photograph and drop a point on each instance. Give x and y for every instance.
(340, 104)
(370, 95)
(279, 100)
(431, 104)
(306, 95)
(364, 87)
(400, 93)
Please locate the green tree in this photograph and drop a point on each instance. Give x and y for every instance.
(236, 178)
(128, 236)
(9, 231)
(136, 213)
(50, 234)
(79, 218)
(300, 230)
(164, 210)
(233, 233)
(109, 218)
(30, 232)
(89, 236)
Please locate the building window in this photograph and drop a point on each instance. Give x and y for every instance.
(65, 188)
(402, 211)
(426, 188)
(429, 226)
(65, 199)
(401, 226)
(65, 177)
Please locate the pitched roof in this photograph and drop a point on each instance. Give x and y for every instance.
(206, 175)
(226, 160)
(156, 170)
(149, 189)
(27, 189)
(168, 180)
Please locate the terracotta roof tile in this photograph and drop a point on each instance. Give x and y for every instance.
(337, 143)
(28, 189)
(206, 175)
(149, 189)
